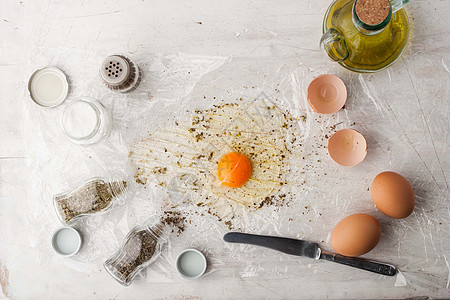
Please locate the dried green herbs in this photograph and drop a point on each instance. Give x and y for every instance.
(146, 243)
(141, 247)
(175, 220)
(94, 196)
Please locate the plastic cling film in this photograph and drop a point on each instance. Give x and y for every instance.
(161, 141)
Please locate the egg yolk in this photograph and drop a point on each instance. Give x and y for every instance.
(234, 169)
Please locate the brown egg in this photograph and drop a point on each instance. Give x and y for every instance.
(393, 195)
(355, 235)
(347, 147)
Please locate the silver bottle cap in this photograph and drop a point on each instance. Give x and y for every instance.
(115, 70)
(120, 74)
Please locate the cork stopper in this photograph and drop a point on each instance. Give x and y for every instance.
(372, 12)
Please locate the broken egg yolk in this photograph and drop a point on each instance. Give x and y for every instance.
(234, 169)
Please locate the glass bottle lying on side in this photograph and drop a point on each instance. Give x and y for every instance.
(94, 196)
(141, 247)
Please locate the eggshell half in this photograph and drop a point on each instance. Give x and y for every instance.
(393, 195)
(327, 94)
(356, 235)
(347, 147)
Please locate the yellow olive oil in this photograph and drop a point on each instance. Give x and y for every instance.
(368, 53)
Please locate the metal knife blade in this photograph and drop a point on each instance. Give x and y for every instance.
(308, 249)
(285, 245)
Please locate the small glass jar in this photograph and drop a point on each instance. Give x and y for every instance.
(94, 196)
(85, 121)
(141, 247)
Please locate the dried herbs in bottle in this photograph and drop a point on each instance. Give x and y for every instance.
(141, 247)
(94, 196)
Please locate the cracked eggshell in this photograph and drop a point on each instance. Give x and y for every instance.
(347, 147)
(327, 94)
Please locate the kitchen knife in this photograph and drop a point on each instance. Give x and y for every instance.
(308, 249)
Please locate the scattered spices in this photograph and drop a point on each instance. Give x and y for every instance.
(266, 134)
(266, 202)
(92, 197)
(141, 181)
(142, 246)
(229, 225)
(159, 170)
(175, 220)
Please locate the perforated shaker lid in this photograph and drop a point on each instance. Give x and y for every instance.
(115, 70)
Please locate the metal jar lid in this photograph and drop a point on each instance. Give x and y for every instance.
(48, 87)
(119, 73)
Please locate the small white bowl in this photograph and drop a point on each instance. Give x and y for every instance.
(66, 241)
(191, 264)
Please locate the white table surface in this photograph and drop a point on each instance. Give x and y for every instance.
(245, 28)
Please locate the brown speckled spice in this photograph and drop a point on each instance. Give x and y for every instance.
(92, 197)
(140, 246)
(174, 219)
(184, 158)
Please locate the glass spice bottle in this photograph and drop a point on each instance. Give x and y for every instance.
(141, 247)
(94, 196)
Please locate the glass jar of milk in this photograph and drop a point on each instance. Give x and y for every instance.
(85, 121)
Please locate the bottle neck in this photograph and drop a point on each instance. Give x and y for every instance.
(368, 29)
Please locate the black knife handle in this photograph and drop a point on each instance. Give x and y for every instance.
(285, 245)
(360, 263)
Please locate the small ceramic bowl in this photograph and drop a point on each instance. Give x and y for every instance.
(327, 94)
(191, 264)
(66, 241)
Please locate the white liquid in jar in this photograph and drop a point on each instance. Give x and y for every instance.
(80, 119)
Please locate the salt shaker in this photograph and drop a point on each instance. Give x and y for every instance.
(94, 196)
(141, 247)
(120, 74)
